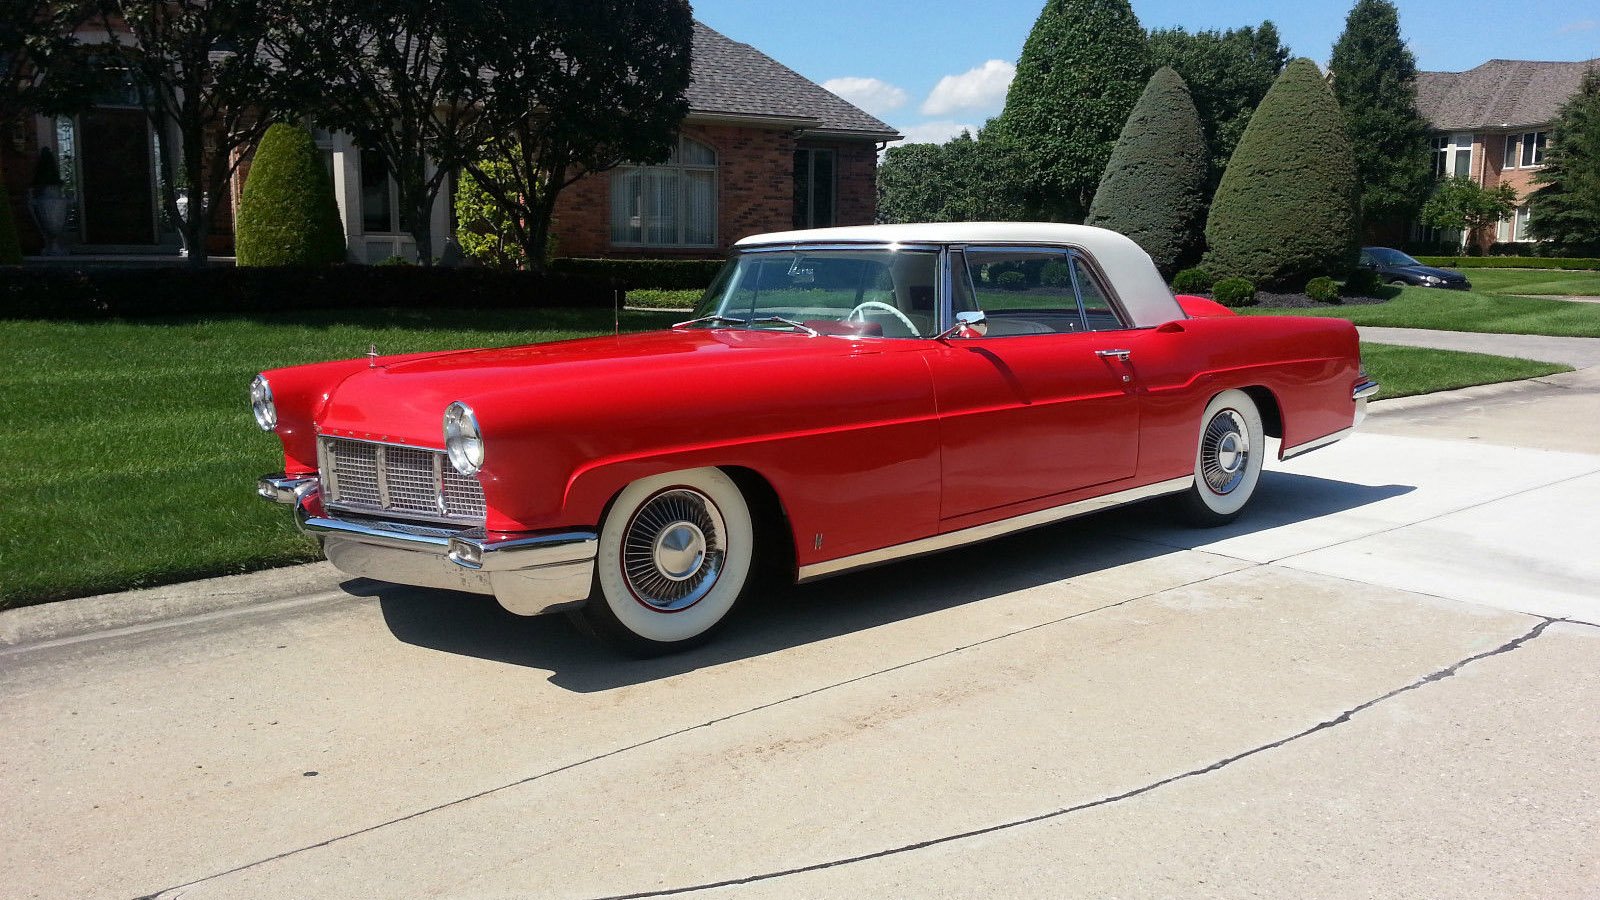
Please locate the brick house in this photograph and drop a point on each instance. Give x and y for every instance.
(1492, 124)
(762, 149)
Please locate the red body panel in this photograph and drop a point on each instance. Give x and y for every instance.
(867, 442)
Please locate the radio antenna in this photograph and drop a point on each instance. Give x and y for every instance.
(616, 311)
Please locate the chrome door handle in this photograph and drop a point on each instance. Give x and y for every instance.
(1114, 354)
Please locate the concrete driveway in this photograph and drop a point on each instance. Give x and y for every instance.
(1384, 681)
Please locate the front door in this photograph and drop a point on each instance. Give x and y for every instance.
(118, 178)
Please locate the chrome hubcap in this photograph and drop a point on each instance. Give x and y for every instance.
(672, 551)
(1224, 452)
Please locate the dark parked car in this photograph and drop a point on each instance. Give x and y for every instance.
(1394, 267)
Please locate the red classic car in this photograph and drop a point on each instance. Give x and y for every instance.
(843, 397)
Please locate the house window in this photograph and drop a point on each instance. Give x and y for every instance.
(670, 205)
(815, 187)
(1452, 155)
(1515, 226)
(380, 198)
(1526, 150)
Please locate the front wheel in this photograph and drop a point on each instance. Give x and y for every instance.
(674, 556)
(1227, 462)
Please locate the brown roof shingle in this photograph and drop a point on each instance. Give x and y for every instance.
(1501, 93)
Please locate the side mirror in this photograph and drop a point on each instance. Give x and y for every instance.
(970, 323)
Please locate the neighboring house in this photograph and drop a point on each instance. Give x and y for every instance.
(1492, 124)
(762, 149)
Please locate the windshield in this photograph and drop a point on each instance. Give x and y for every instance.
(1384, 256)
(869, 293)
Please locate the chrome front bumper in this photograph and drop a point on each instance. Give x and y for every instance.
(529, 573)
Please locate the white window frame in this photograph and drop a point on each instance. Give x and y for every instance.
(1513, 229)
(679, 165)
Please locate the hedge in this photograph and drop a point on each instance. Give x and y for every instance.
(647, 274)
(28, 293)
(1510, 262)
(651, 298)
(287, 214)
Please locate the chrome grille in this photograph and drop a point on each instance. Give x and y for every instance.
(363, 476)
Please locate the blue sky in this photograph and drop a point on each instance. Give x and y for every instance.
(929, 67)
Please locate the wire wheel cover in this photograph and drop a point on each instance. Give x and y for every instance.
(673, 552)
(1225, 451)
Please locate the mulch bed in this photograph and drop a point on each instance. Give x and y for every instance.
(1301, 301)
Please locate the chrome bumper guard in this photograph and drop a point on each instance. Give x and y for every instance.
(528, 573)
(1361, 393)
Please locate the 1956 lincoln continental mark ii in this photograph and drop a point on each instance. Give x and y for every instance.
(842, 397)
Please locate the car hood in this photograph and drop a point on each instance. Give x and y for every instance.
(404, 402)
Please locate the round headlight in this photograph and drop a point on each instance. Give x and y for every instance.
(462, 440)
(261, 404)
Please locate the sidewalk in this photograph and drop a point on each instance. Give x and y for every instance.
(1580, 353)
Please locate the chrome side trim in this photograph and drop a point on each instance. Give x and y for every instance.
(1317, 444)
(1364, 390)
(281, 488)
(992, 529)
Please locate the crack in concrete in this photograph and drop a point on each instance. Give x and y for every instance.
(1342, 718)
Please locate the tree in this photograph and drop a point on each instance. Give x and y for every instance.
(574, 88)
(1286, 208)
(1461, 204)
(200, 69)
(287, 214)
(1567, 207)
(1153, 188)
(1374, 80)
(1082, 68)
(1228, 72)
(965, 179)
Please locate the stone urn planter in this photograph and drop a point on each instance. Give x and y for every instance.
(48, 201)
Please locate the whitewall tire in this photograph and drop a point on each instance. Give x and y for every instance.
(1228, 457)
(674, 556)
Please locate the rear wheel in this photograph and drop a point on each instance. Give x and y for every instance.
(674, 556)
(1227, 461)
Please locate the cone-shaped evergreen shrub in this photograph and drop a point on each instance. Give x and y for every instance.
(287, 214)
(1152, 190)
(1286, 208)
(10, 252)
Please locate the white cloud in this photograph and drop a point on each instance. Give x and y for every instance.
(935, 132)
(871, 94)
(981, 89)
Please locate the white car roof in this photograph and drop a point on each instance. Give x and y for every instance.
(1142, 290)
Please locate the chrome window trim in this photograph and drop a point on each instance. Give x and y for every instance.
(989, 530)
(1118, 308)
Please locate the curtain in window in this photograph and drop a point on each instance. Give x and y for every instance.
(700, 221)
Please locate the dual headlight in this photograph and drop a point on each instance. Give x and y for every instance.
(261, 404)
(463, 442)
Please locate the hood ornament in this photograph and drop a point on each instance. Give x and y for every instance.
(372, 356)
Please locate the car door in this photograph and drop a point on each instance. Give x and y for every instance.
(1045, 402)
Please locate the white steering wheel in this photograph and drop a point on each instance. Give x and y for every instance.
(859, 314)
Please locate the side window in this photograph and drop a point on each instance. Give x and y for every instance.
(1098, 312)
(1023, 291)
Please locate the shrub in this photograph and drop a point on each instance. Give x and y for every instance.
(1286, 208)
(1152, 189)
(287, 214)
(60, 293)
(1323, 289)
(1194, 280)
(659, 274)
(1056, 274)
(1012, 281)
(1234, 292)
(1362, 283)
(654, 299)
(483, 229)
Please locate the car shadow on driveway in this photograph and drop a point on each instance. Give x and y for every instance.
(783, 617)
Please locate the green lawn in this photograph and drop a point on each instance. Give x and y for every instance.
(1407, 371)
(1464, 311)
(132, 457)
(1546, 282)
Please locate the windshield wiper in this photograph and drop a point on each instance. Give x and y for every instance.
(714, 319)
(789, 322)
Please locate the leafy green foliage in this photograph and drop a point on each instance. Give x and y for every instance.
(1374, 80)
(483, 229)
(1461, 204)
(1361, 283)
(1056, 274)
(1011, 281)
(1286, 208)
(1323, 289)
(1228, 72)
(287, 214)
(655, 299)
(1082, 69)
(1234, 292)
(965, 179)
(44, 66)
(1152, 187)
(1567, 207)
(1193, 280)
